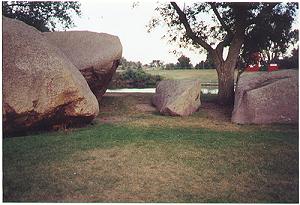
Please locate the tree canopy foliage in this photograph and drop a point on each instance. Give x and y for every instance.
(207, 64)
(125, 64)
(290, 62)
(216, 25)
(43, 15)
(274, 35)
(208, 24)
(184, 62)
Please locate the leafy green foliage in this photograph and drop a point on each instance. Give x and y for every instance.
(207, 64)
(133, 74)
(125, 64)
(140, 78)
(272, 36)
(156, 63)
(264, 21)
(43, 15)
(134, 78)
(184, 62)
(291, 62)
(170, 66)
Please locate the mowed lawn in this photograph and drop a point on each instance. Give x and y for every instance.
(205, 75)
(130, 153)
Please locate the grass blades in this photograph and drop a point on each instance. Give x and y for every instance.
(113, 163)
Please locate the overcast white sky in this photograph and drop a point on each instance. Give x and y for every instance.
(129, 24)
(118, 17)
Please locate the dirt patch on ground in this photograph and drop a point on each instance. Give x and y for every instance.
(145, 107)
(216, 112)
(136, 109)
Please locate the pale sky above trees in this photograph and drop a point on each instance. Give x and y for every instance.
(128, 19)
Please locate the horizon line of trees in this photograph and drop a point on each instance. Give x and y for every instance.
(183, 62)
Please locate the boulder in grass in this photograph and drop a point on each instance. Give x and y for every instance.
(96, 55)
(177, 97)
(41, 87)
(267, 97)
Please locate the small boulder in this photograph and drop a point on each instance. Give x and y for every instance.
(177, 97)
(96, 55)
(266, 97)
(41, 87)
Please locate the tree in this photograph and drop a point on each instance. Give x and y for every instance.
(291, 62)
(207, 64)
(184, 62)
(271, 37)
(125, 64)
(45, 15)
(170, 66)
(228, 26)
(200, 65)
(156, 63)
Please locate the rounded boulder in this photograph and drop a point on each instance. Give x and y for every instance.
(41, 87)
(96, 55)
(177, 97)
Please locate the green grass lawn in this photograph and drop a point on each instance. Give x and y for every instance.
(109, 163)
(132, 155)
(205, 75)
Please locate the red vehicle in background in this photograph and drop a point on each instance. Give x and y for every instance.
(257, 57)
(273, 67)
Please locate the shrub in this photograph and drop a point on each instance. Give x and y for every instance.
(134, 78)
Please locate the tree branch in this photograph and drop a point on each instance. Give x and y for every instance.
(264, 12)
(220, 49)
(214, 8)
(239, 34)
(183, 19)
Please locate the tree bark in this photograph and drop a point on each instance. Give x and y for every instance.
(225, 69)
(226, 83)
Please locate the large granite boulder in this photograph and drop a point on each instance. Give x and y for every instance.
(41, 87)
(177, 97)
(96, 55)
(266, 97)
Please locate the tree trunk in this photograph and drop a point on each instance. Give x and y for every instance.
(226, 68)
(226, 83)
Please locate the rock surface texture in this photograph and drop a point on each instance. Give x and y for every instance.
(41, 87)
(177, 97)
(96, 55)
(267, 97)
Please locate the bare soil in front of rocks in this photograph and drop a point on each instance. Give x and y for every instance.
(136, 109)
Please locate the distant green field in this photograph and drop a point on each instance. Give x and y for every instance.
(206, 76)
